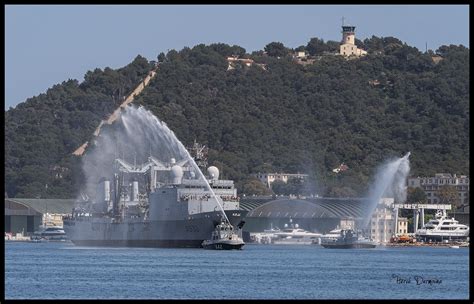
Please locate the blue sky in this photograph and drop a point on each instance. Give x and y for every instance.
(47, 44)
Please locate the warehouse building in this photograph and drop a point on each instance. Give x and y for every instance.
(312, 214)
(26, 215)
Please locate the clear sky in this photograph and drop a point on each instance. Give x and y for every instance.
(47, 44)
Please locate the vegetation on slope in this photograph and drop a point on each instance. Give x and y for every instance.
(285, 118)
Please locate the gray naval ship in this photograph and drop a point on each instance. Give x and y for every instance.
(171, 207)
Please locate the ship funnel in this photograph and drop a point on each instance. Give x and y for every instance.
(177, 174)
(103, 191)
(213, 172)
(134, 197)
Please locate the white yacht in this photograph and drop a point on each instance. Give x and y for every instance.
(294, 235)
(442, 228)
(50, 233)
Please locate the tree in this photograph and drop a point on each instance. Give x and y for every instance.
(280, 187)
(448, 195)
(276, 49)
(253, 186)
(301, 48)
(333, 46)
(416, 195)
(161, 57)
(341, 192)
(316, 46)
(293, 118)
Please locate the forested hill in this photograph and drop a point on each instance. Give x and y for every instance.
(278, 116)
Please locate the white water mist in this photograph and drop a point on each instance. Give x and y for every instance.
(134, 137)
(390, 181)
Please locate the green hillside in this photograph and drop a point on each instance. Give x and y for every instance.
(282, 116)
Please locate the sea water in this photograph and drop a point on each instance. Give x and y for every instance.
(64, 271)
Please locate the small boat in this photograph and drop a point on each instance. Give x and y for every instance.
(348, 239)
(223, 238)
(49, 233)
(292, 234)
(454, 246)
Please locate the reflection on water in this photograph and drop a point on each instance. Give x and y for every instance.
(63, 271)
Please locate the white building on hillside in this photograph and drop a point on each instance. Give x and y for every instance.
(269, 178)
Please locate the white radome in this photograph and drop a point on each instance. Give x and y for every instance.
(213, 172)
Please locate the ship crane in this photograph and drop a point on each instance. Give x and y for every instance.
(153, 166)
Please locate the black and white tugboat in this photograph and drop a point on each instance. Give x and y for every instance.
(224, 237)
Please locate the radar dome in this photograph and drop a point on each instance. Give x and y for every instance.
(176, 174)
(213, 172)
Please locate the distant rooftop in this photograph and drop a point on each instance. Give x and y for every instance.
(59, 206)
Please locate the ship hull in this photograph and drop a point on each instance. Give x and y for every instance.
(224, 246)
(186, 233)
(440, 238)
(140, 243)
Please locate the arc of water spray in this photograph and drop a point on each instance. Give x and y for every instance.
(170, 135)
(393, 172)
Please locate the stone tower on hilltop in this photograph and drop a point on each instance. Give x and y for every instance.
(348, 47)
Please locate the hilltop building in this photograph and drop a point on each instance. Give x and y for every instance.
(233, 60)
(269, 178)
(348, 47)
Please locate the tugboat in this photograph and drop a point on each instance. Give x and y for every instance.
(348, 239)
(224, 238)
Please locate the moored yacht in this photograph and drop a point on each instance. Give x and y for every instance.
(442, 228)
(50, 233)
(293, 235)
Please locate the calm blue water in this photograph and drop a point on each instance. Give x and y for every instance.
(64, 271)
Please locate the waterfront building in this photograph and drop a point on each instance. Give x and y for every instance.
(26, 215)
(432, 185)
(402, 226)
(383, 220)
(315, 214)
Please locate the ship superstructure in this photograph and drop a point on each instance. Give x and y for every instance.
(155, 204)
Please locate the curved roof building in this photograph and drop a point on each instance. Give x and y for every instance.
(316, 214)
